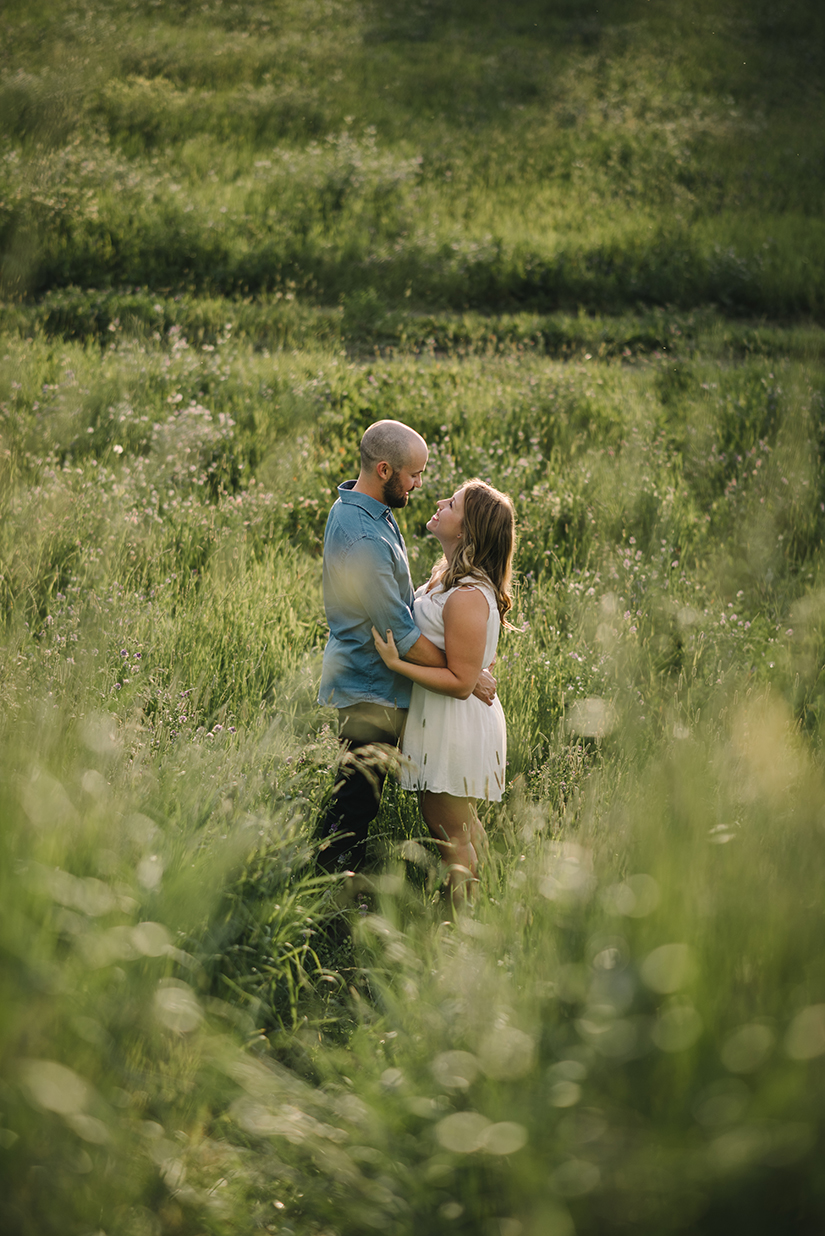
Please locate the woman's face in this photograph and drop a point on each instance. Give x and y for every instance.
(448, 521)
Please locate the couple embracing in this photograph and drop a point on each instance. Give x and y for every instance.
(412, 668)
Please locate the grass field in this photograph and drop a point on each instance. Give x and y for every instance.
(582, 251)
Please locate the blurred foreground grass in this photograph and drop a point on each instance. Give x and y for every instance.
(627, 1034)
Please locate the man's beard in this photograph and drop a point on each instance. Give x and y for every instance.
(394, 493)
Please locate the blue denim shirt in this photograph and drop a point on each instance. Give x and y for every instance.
(366, 583)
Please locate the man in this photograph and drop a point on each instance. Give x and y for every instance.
(367, 583)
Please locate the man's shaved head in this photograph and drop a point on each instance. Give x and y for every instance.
(393, 442)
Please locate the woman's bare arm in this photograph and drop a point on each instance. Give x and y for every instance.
(465, 636)
(424, 652)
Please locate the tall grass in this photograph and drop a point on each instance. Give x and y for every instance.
(435, 157)
(618, 1034)
(581, 252)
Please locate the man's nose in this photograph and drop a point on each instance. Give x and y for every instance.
(416, 482)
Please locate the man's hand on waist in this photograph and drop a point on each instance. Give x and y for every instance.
(485, 688)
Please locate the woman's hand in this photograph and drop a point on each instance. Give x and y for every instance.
(386, 650)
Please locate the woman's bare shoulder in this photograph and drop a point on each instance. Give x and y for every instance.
(465, 601)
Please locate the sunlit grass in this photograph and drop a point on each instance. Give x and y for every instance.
(582, 254)
(428, 158)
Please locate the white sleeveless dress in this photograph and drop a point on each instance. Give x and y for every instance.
(454, 746)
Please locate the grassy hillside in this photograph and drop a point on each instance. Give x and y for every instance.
(432, 155)
(581, 250)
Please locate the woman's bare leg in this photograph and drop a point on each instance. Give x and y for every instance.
(458, 832)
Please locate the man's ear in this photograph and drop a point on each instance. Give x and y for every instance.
(384, 470)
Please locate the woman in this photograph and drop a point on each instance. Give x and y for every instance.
(454, 748)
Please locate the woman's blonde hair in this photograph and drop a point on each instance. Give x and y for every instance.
(487, 544)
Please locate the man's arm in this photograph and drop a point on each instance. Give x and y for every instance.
(371, 586)
(425, 652)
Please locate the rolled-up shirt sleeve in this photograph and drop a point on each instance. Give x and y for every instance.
(371, 574)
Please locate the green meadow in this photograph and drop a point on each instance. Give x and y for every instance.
(582, 250)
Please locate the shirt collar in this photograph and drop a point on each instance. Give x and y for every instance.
(378, 510)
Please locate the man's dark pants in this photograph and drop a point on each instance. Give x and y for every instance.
(369, 735)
